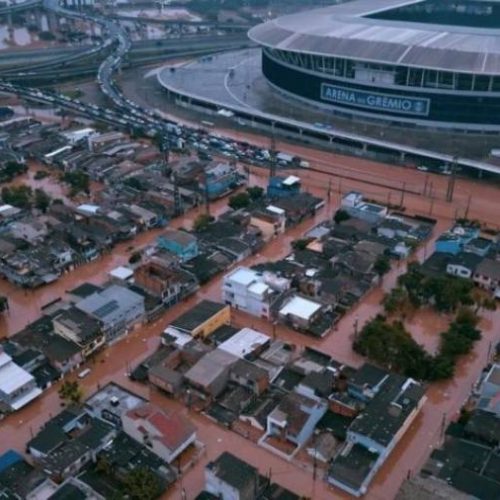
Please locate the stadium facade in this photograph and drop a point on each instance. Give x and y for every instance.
(424, 62)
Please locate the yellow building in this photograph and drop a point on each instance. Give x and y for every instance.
(203, 319)
(271, 221)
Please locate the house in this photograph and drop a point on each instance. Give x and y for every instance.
(392, 402)
(70, 488)
(249, 375)
(68, 442)
(124, 454)
(489, 398)
(300, 312)
(166, 434)
(246, 344)
(202, 319)
(166, 282)
(31, 230)
(354, 205)
(116, 307)
(487, 275)
(219, 179)
(323, 447)
(294, 419)
(283, 187)
(79, 327)
(455, 240)
(271, 221)
(17, 386)
(253, 292)
(463, 264)
(121, 275)
(235, 248)
(180, 243)
(210, 374)
(111, 402)
(393, 227)
(230, 478)
(63, 354)
(17, 477)
(479, 246)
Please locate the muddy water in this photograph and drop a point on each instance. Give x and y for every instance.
(444, 399)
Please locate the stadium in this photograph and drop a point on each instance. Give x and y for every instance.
(432, 63)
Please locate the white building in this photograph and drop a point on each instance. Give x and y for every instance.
(245, 342)
(252, 292)
(17, 386)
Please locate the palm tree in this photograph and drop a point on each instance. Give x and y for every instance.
(70, 392)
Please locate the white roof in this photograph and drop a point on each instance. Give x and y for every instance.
(300, 307)
(243, 276)
(276, 210)
(12, 376)
(8, 209)
(26, 398)
(244, 342)
(181, 339)
(121, 273)
(290, 180)
(258, 288)
(86, 207)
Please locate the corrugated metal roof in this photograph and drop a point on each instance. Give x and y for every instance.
(340, 30)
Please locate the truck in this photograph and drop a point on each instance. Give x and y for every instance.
(284, 158)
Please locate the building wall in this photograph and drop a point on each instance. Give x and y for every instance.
(223, 317)
(184, 252)
(240, 298)
(446, 107)
(460, 271)
(225, 491)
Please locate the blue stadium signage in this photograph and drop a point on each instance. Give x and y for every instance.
(372, 100)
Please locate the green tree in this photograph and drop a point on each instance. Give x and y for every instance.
(396, 300)
(79, 181)
(42, 200)
(382, 265)
(202, 222)
(70, 392)
(142, 484)
(255, 192)
(240, 200)
(341, 216)
(18, 196)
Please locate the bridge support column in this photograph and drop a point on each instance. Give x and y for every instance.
(52, 21)
(39, 19)
(365, 147)
(402, 156)
(9, 20)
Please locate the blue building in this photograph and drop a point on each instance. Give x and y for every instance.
(283, 187)
(219, 180)
(184, 245)
(455, 240)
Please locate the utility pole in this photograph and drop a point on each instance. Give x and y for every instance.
(207, 198)
(272, 159)
(466, 214)
(451, 182)
(403, 192)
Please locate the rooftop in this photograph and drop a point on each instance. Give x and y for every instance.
(344, 30)
(114, 399)
(244, 343)
(210, 366)
(300, 307)
(197, 315)
(171, 429)
(233, 471)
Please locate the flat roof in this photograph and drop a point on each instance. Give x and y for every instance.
(121, 273)
(244, 342)
(300, 307)
(291, 180)
(243, 276)
(343, 31)
(197, 315)
(12, 376)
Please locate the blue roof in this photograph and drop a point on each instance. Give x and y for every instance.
(9, 458)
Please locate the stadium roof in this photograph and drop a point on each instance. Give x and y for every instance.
(343, 31)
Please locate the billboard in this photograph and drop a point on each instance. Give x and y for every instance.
(417, 106)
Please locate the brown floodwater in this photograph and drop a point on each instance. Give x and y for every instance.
(444, 399)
